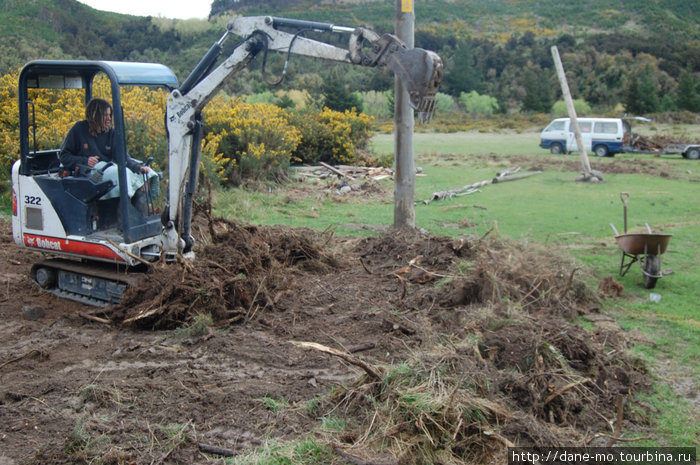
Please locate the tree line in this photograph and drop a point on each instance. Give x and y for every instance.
(640, 73)
(644, 76)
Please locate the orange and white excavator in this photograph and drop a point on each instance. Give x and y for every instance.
(97, 245)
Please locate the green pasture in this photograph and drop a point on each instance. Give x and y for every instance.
(549, 208)
(505, 143)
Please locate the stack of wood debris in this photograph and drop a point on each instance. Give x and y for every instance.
(347, 172)
(658, 143)
(646, 144)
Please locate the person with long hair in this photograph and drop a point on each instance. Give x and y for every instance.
(88, 146)
(90, 141)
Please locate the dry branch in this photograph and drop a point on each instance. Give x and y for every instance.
(507, 175)
(619, 404)
(345, 171)
(126, 252)
(94, 318)
(20, 357)
(563, 389)
(333, 170)
(372, 371)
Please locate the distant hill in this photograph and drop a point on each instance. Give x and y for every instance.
(496, 47)
(494, 18)
(31, 29)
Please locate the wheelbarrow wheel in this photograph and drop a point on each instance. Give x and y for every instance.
(652, 268)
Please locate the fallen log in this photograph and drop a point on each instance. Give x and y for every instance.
(503, 176)
(333, 170)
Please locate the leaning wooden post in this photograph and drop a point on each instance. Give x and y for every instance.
(405, 176)
(587, 173)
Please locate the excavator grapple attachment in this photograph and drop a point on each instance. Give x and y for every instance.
(420, 72)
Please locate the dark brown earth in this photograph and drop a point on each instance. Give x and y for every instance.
(202, 353)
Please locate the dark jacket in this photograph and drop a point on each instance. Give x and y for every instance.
(79, 145)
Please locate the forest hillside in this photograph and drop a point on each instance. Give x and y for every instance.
(640, 55)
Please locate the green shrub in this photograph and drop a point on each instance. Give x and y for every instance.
(375, 103)
(478, 105)
(444, 103)
(581, 106)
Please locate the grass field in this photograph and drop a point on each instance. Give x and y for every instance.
(549, 208)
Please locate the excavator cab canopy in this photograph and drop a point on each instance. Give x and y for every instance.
(52, 76)
(63, 74)
(78, 74)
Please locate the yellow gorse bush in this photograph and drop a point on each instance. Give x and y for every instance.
(350, 130)
(144, 111)
(54, 111)
(241, 141)
(9, 123)
(332, 136)
(247, 140)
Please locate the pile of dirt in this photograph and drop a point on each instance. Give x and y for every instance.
(490, 319)
(505, 365)
(571, 163)
(450, 351)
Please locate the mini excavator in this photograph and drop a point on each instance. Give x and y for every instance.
(96, 246)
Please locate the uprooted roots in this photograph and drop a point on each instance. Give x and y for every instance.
(239, 271)
(507, 367)
(483, 351)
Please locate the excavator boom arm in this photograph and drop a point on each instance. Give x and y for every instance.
(419, 70)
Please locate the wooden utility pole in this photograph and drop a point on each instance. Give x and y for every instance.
(587, 174)
(405, 177)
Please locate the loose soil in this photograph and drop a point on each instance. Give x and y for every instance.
(651, 164)
(202, 353)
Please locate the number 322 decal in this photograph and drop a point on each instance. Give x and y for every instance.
(32, 200)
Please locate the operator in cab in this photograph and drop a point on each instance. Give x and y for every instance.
(88, 146)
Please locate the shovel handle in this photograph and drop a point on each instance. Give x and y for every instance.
(625, 196)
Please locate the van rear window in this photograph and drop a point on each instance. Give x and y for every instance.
(606, 127)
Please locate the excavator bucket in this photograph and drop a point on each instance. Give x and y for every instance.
(421, 73)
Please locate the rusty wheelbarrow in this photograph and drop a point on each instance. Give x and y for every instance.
(645, 248)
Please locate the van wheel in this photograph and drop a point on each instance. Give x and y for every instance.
(692, 154)
(556, 148)
(601, 151)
